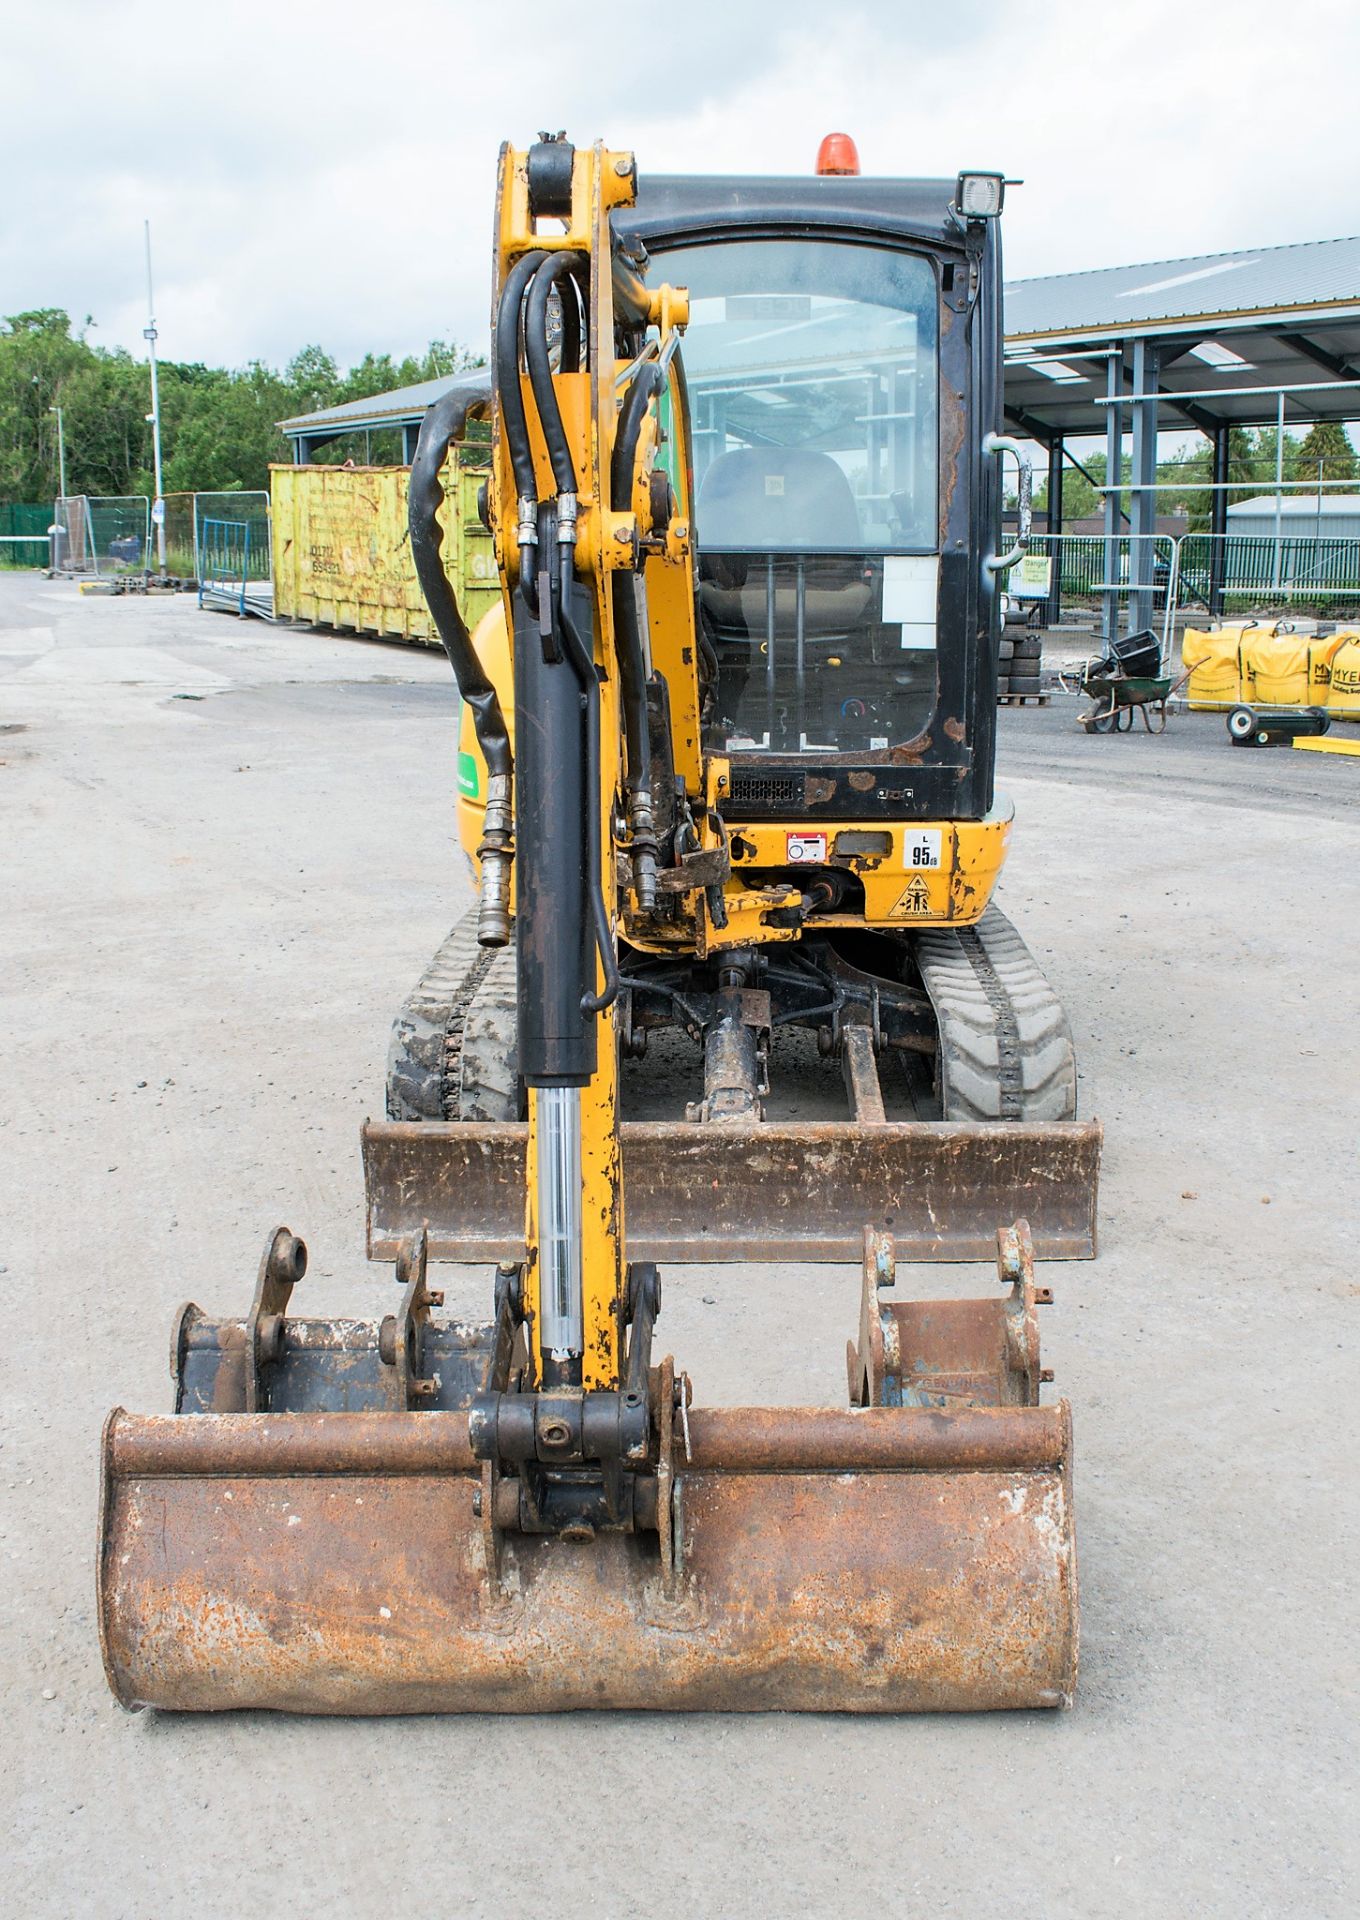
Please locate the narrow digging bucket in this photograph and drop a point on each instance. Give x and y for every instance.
(880, 1560)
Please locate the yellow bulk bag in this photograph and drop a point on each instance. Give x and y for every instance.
(1215, 667)
(1276, 666)
(1320, 669)
(1343, 694)
(1251, 634)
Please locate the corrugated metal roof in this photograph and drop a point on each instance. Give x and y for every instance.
(1236, 294)
(1299, 503)
(401, 404)
(1307, 274)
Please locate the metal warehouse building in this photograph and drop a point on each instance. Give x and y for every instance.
(1326, 516)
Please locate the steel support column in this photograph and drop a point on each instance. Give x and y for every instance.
(1143, 505)
(1114, 460)
(1053, 610)
(1277, 569)
(1218, 517)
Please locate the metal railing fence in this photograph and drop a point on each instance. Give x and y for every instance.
(1238, 570)
(120, 533)
(233, 554)
(103, 534)
(1092, 570)
(1212, 575)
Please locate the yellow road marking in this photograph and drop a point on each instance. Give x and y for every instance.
(1319, 743)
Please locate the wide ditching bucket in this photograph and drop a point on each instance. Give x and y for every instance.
(911, 1552)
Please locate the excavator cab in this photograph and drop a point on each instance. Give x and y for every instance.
(725, 773)
(840, 335)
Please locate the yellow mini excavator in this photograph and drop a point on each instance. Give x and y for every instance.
(727, 775)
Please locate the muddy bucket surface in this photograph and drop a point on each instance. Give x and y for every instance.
(876, 1560)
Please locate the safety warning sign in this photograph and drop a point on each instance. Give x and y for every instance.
(915, 901)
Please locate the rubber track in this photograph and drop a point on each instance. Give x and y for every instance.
(482, 1082)
(427, 1032)
(1005, 1046)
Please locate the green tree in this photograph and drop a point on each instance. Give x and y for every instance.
(38, 356)
(1079, 494)
(219, 426)
(1326, 453)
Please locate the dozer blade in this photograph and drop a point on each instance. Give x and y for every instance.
(773, 1191)
(886, 1559)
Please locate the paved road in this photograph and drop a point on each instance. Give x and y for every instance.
(226, 851)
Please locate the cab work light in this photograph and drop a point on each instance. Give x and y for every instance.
(978, 196)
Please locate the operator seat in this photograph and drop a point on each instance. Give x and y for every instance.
(786, 501)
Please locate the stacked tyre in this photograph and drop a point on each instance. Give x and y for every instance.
(1005, 663)
(1020, 672)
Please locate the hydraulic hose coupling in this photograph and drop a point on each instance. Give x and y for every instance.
(527, 531)
(566, 524)
(496, 854)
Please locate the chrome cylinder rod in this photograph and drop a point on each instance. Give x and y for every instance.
(559, 1220)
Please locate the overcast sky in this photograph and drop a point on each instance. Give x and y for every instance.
(324, 172)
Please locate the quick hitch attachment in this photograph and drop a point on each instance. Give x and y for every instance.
(573, 1462)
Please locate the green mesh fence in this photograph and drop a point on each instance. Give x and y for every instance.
(18, 521)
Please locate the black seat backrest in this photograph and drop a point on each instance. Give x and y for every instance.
(776, 497)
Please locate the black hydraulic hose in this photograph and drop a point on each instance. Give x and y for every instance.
(627, 624)
(507, 372)
(574, 322)
(442, 425)
(556, 267)
(583, 665)
(632, 680)
(624, 459)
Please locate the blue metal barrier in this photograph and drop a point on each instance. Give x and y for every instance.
(224, 564)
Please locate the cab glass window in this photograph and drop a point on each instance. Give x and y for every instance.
(812, 374)
(812, 378)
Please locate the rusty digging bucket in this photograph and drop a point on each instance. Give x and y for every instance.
(913, 1552)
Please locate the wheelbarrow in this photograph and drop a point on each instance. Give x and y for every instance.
(1119, 696)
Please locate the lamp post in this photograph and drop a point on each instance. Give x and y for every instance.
(61, 451)
(154, 417)
(59, 533)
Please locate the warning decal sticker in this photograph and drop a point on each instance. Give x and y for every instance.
(916, 899)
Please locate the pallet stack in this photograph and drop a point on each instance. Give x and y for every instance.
(1020, 675)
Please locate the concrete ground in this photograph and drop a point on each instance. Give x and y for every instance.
(225, 853)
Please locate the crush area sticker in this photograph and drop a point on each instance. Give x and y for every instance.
(915, 902)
